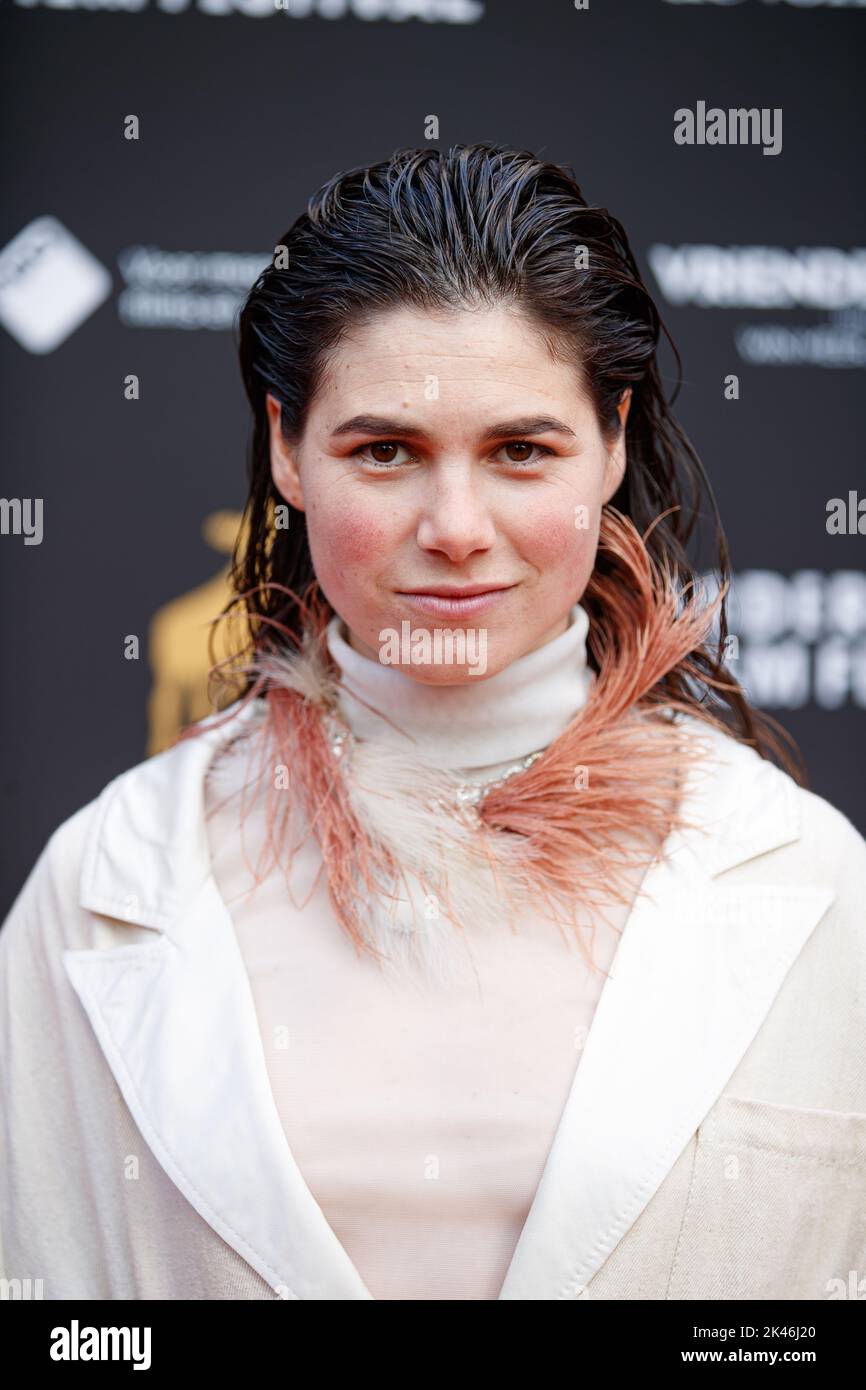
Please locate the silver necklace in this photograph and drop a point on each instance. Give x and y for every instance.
(467, 795)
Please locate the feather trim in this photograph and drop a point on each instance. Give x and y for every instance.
(406, 864)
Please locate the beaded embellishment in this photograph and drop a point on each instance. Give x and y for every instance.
(467, 795)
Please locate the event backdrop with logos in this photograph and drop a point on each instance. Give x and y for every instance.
(156, 150)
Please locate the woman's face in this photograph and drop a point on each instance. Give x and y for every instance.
(445, 452)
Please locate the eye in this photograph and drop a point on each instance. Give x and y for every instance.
(371, 455)
(525, 462)
(365, 454)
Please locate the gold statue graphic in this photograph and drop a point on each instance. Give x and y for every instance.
(179, 640)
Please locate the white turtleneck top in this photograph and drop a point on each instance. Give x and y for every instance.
(420, 1114)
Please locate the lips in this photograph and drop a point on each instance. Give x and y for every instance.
(469, 591)
(456, 603)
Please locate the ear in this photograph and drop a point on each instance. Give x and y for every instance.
(284, 462)
(616, 459)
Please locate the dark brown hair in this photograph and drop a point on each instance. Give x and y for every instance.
(478, 225)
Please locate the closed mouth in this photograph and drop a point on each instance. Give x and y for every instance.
(472, 591)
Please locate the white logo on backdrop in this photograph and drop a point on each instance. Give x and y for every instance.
(796, 4)
(771, 277)
(761, 277)
(185, 289)
(801, 637)
(398, 11)
(49, 284)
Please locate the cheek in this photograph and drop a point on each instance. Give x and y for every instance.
(359, 541)
(552, 541)
(346, 544)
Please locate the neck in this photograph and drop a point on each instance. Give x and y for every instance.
(516, 712)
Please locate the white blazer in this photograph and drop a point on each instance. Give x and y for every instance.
(713, 1144)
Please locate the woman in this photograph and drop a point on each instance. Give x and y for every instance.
(477, 949)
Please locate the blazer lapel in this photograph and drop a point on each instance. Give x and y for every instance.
(176, 1020)
(694, 976)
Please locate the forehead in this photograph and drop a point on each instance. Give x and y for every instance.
(473, 354)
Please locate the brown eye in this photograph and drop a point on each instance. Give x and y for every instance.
(528, 455)
(388, 449)
(381, 455)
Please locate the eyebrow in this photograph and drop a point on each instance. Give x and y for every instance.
(386, 427)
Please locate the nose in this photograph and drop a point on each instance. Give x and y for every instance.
(455, 519)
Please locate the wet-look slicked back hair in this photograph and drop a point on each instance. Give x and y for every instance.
(477, 226)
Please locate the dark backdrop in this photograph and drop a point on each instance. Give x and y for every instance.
(244, 109)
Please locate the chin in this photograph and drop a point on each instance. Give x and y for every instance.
(450, 675)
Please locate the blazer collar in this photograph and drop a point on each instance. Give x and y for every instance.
(695, 974)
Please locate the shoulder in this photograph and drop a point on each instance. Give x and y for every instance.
(44, 919)
(779, 830)
(792, 880)
(135, 816)
(53, 880)
(832, 843)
